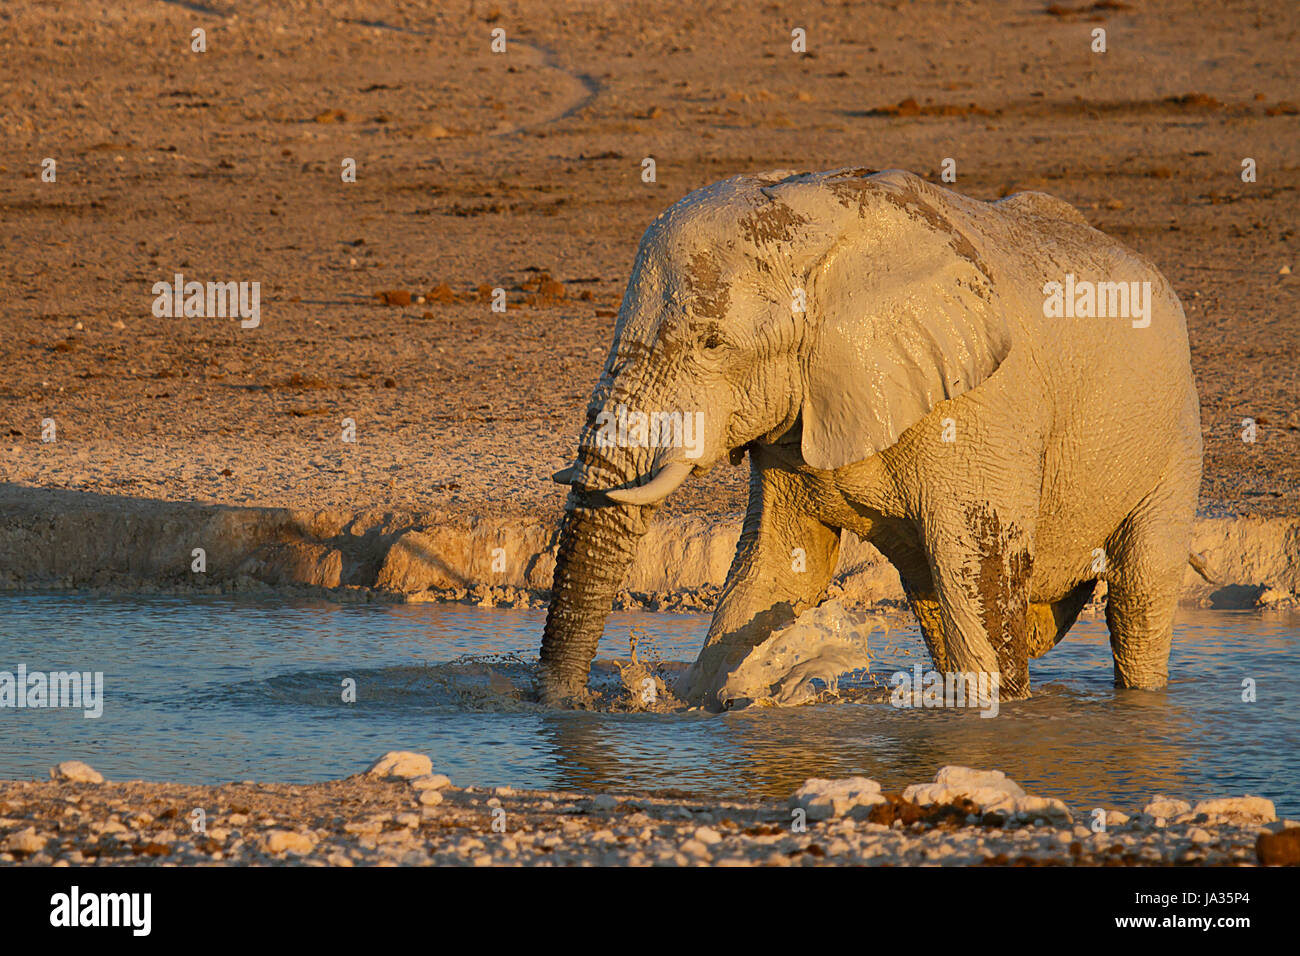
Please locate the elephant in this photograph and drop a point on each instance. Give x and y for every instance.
(939, 375)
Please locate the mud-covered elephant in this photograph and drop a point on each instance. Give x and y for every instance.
(994, 394)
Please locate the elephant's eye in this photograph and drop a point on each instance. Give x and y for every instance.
(713, 341)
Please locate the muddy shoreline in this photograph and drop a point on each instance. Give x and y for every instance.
(59, 540)
(411, 816)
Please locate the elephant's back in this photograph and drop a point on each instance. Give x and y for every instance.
(1103, 325)
(1039, 205)
(1122, 408)
(1079, 298)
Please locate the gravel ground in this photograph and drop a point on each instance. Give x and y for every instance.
(423, 820)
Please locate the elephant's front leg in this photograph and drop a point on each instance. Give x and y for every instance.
(982, 562)
(783, 564)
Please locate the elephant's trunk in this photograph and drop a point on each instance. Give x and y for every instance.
(597, 545)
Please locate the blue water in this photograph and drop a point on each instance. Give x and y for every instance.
(211, 690)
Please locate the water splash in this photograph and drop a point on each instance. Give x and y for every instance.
(803, 662)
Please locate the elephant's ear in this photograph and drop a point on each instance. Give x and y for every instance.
(902, 318)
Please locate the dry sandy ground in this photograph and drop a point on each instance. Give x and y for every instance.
(369, 820)
(477, 168)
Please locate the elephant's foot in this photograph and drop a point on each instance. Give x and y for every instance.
(700, 685)
(551, 696)
(1016, 691)
(560, 691)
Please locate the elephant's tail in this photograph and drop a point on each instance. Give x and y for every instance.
(1197, 561)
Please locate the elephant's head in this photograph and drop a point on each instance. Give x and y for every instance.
(831, 310)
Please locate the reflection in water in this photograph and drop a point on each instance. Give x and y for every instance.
(211, 690)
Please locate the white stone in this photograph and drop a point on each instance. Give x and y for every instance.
(992, 792)
(26, 841)
(823, 799)
(708, 835)
(1237, 809)
(1162, 807)
(981, 787)
(401, 763)
(282, 841)
(695, 848)
(433, 781)
(74, 771)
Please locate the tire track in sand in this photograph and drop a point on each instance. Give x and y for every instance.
(584, 88)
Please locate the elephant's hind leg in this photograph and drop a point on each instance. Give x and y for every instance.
(1146, 562)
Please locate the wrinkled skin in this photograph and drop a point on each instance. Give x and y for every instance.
(1001, 460)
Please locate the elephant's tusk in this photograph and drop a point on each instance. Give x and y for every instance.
(657, 489)
(565, 476)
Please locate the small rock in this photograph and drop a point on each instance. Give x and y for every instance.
(1238, 809)
(823, 799)
(26, 841)
(281, 841)
(1279, 849)
(433, 781)
(602, 801)
(1161, 806)
(951, 783)
(696, 849)
(401, 763)
(1039, 810)
(993, 792)
(430, 798)
(708, 835)
(74, 771)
